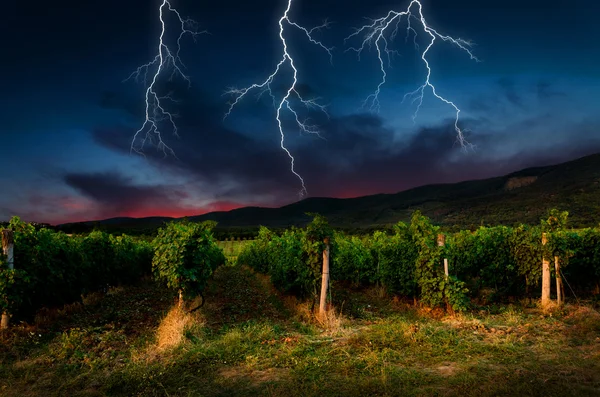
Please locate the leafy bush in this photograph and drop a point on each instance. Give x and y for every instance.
(504, 260)
(185, 256)
(53, 269)
(526, 250)
(483, 259)
(583, 260)
(354, 261)
(10, 297)
(288, 265)
(396, 256)
(256, 253)
(294, 259)
(434, 288)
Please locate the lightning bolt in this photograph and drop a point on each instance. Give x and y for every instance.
(376, 33)
(265, 86)
(156, 114)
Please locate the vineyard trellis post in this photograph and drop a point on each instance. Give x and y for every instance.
(441, 240)
(8, 251)
(545, 275)
(559, 286)
(324, 280)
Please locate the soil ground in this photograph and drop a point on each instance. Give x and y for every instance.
(248, 340)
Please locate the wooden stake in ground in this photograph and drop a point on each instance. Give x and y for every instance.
(180, 301)
(545, 277)
(441, 239)
(8, 251)
(324, 281)
(559, 286)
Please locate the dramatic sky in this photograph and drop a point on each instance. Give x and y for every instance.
(68, 118)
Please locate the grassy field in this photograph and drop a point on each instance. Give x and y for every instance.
(232, 248)
(248, 340)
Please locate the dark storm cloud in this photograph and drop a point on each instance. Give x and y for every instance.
(481, 103)
(544, 90)
(516, 95)
(357, 133)
(216, 152)
(113, 192)
(306, 91)
(358, 156)
(213, 151)
(508, 87)
(118, 100)
(358, 147)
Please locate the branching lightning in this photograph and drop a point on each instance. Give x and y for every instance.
(165, 60)
(376, 32)
(265, 86)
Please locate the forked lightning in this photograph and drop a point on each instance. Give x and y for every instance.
(376, 33)
(165, 60)
(265, 86)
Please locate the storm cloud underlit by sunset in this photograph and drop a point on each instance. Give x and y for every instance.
(68, 116)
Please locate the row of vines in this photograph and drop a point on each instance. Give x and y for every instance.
(53, 269)
(491, 263)
(494, 262)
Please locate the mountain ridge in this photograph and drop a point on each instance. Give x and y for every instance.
(573, 185)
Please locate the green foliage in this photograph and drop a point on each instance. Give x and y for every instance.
(354, 261)
(289, 267)
(131, 257)
(293, 259)
(484, 260)
(185, 256)
(434, 288)
(496, 262)
(554, 226)
(10, 296)
(256, 253)
(526, 250)
(396, 256)
(583, 260)
(318, 234)
(53, 269)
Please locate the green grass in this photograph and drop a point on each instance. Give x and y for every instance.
(232, 248)
(248, 340)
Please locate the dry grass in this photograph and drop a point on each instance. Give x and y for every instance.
(250, 340)
(169, 334)
(170, 330)
(332, 320)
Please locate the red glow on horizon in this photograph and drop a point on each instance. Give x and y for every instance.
(177, 212)
(74, 210)
(351, 193)
(73, 204)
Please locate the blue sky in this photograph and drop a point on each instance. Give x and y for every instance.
(68, 117)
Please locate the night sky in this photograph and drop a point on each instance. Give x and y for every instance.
(68, 118)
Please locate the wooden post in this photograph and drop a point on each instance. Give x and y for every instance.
(8, 251)
(324, 281)
(180, 302)
(559, 290)
(441, 240)
(545, 277)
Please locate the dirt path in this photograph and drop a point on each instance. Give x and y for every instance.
(236, 295)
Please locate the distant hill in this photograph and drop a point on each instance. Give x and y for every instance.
(520, 197)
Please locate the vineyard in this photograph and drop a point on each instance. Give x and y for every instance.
(413, 311)
(54, 269)
(491, 264)
(486, 265)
